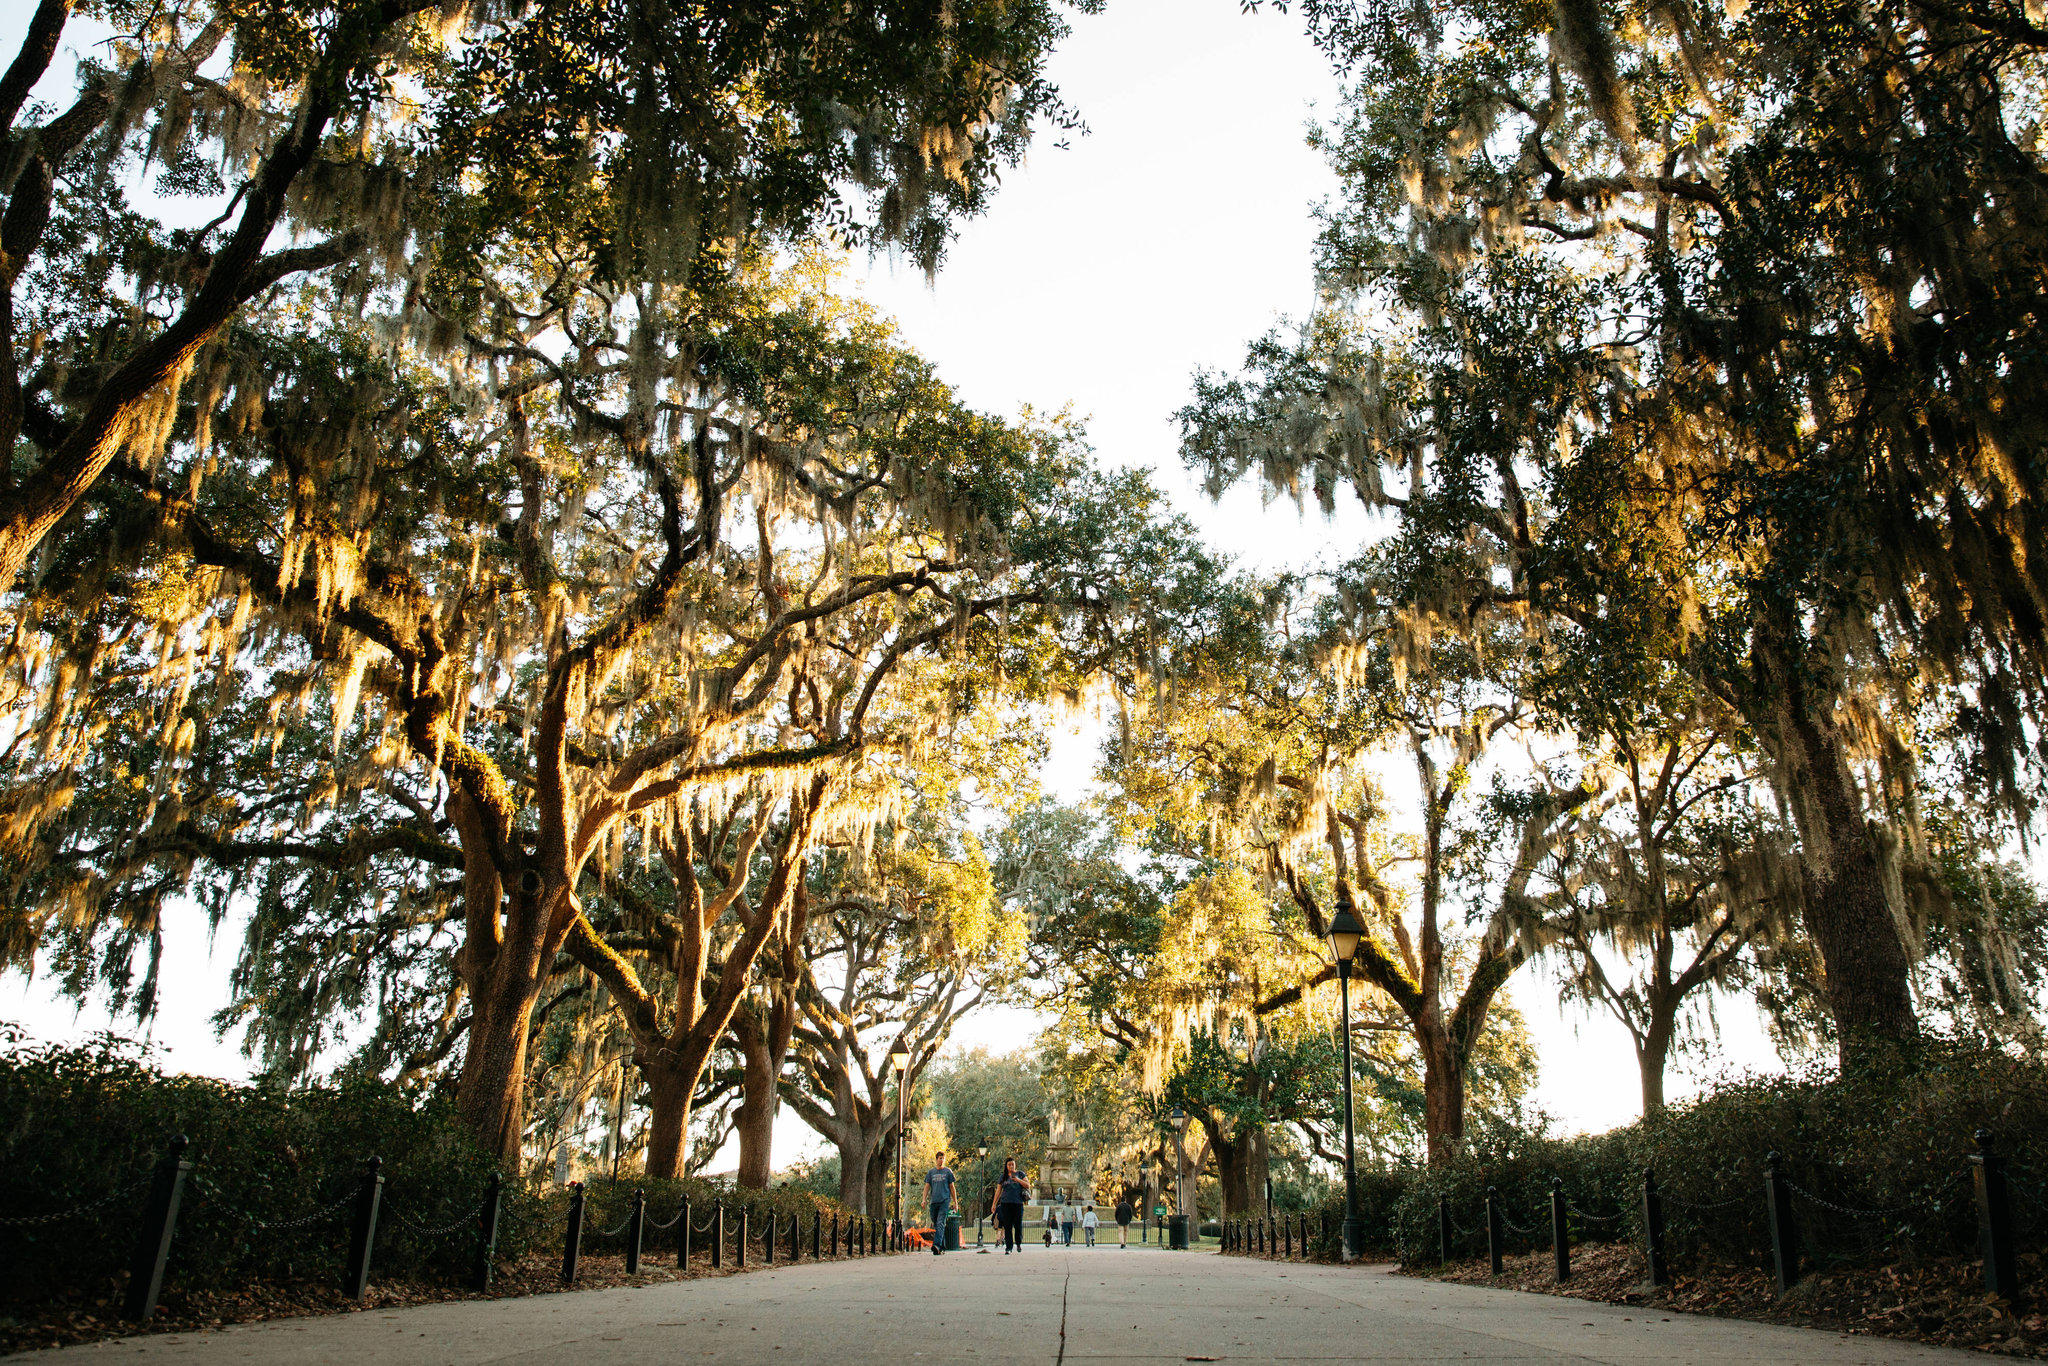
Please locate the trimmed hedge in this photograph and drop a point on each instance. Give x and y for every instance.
(1891, 1143)
(274, 1173)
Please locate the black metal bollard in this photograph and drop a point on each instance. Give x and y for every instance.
(1653, 1230)
(718, 1239)
(1994, 1220)
(817, 1235)
(487, 1231)
(1304, 1235)
(1784, 1233)
(636, 1225)
(796, 1231)
(1560, 1234)
(1287, 1233)
(1443, 1229)
(572, 1236)
(363, 1234)
(159, 1222)
(835, 1234)
(768, 1242)
(683, 1239)
(740, 1260)
(1493, 1229)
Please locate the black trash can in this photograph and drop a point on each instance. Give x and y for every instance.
(953, 1231)
(1177, 1230)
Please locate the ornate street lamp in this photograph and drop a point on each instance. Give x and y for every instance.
(1144, 1194)
(899, 1061)
(1345, 932)
(1180, 1163)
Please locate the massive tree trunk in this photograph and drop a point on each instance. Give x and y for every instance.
(671, 1092)
(502, 963)
(853, 1174)
(491, 1090)
(1868, 984)
(1869, 993)
(763, 1036)
(1443, 1095)
(755, 1121)
(1233, 1171)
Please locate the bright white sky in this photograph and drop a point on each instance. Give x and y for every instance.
(1178, 230)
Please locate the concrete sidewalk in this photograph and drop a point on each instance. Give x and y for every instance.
(1063, 1305)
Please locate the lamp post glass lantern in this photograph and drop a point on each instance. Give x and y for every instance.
(899, 1060)
(1345, 932)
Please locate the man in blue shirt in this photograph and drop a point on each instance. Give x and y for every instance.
(938, 1194)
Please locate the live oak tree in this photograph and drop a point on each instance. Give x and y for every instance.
(617, 645)
(1273, 753)
(406, 147)
(907, 943)
(1746, 296)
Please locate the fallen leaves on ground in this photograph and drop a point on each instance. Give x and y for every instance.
(63, 1323)
(1938, 1300)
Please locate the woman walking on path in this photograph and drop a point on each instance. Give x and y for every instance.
(1123, 1221)
(1009, 1207)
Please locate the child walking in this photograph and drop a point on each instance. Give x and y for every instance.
(1088, 1226)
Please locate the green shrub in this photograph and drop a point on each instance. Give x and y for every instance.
(1890, 1143)
(274, 1173)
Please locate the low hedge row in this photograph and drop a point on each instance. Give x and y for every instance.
(269, 1198)
(1879, 1159)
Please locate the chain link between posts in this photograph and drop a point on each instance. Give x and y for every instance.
(1578, 1213)
(467, 1220)
(228, 1207)
(59, 1216)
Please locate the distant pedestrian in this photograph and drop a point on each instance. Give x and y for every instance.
(1067, 1226)
(938, 1196)
(1124, 1214)
(1088, 1222)
(1009, 1207)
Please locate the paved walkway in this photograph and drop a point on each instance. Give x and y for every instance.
(1055, 1306)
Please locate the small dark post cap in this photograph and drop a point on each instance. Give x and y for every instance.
(575, 1185)
(1771, 1158)
(1556, 1183)
(374, 1163)
(1983, 1137)
(1490, 1190)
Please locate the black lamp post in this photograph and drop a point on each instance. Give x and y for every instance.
(1345, 933)
(1180, 1163)
(899, 1059)
(1144, 1195)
